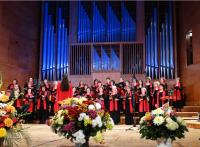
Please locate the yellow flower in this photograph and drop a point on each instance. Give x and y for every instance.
(99, 137)
(4, 98)
(148, 116)
(3, 132)
(10, 108)
(8, 122)
(87, 121)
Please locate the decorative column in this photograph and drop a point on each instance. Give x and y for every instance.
(73, 21)
(140, 21)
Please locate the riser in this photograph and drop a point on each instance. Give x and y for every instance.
(191, 109)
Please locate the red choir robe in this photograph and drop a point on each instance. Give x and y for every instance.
(29, 99)
(177, 92)
(42, 100)
(178, 98)
(143, 104)
(127, 102)
(61, 95)
(159, 96)
(11, 87)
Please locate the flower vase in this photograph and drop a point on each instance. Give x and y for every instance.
(86, 144)
(9, 143)
(1, 141)
(164, 142)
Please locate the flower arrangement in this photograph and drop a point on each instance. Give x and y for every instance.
(10, 125)
(162, 123)
(79, 119)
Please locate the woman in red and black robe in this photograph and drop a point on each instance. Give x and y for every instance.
(128, 106)
(29, 100)
(42, 105)
(11, 86)
(135, 94)
(178, 98)
(94, 88)
(17, 95)
(30, 85)
(103, 98)
(143, 101)
(164, 84)
(88, 94)
(149, 88)
(114, 105)
(81, 89)
(160, 96)
(52, 98)
(155, 95)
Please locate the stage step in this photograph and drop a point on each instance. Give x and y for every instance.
(187, 114)
(191, 109)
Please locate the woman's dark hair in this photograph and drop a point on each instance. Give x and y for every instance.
(65, 83)
(95, 80)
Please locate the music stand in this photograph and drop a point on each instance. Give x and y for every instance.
(135, 118)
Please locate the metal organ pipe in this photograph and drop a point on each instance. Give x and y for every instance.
(161, 55)
(167, 45)
(55, 43)
(171, 40)
(155, 44)
(44, 49)
(164, 50)
(48, 46)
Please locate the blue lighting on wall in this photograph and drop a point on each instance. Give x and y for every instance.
(96, 60)
(128, 25)
(84, 24)
(54, 45)
(166, 46)
(113, 25)
(115, 61)
(99, 25)
(109, 28)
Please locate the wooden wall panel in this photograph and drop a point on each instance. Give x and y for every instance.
(19, 40)
(188, 19)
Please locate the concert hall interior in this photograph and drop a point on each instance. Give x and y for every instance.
(130, 56)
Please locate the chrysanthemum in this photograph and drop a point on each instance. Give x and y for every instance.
(172, 126)
(8, 122)
(158, 111)
(158, 120)
(3, 132)
(181, 121)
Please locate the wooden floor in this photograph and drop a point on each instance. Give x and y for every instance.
(42, 136)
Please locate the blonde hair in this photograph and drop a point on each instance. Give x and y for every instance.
(156, 83)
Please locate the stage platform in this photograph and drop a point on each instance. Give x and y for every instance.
(42, 136)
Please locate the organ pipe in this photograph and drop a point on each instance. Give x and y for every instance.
(165, 38)
(54, 45)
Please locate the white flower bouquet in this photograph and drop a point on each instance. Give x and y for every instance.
(162, 123)
(79, 119)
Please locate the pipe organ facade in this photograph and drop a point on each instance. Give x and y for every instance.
(105, 40)
(159, 44)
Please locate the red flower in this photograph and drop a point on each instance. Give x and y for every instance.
(15, 120)
(73, 111)
(88, 102)
(2, 125)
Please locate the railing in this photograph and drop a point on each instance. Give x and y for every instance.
(133, 58)
(80, 60)
(123, 57)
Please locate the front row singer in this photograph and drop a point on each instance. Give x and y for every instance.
(64, 91)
